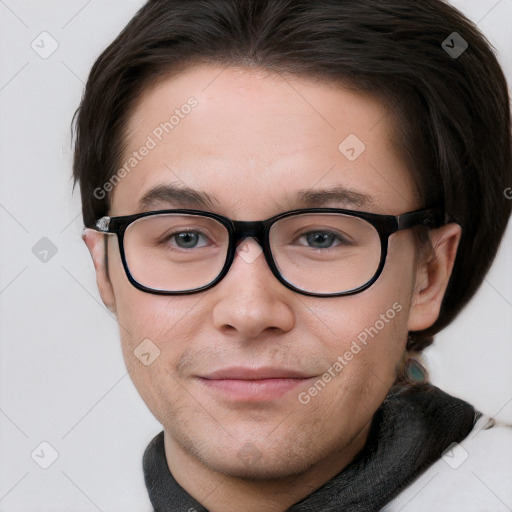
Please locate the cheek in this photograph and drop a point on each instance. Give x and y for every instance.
(388, 308)
(154, 335)
(364, 359)
(154, 329)
(366, 333)
(144, 315)
(367, 327)
(164, 324)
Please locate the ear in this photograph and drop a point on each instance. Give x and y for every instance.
(95, 242)
(432, 277)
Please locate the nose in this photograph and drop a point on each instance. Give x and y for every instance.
(250, 298)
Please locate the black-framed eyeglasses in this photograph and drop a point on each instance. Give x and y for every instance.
(321, 252)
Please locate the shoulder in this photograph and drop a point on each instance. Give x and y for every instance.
(474, 475)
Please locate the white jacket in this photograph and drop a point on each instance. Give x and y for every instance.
(473, 476)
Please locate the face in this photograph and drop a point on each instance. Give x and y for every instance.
(252, 141)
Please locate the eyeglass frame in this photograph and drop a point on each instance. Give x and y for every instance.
(385, 225)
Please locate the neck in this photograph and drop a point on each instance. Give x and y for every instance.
(220, 492)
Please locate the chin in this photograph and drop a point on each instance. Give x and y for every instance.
(251, 462)
(261, 470)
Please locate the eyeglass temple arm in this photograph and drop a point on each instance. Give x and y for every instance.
(434, 217)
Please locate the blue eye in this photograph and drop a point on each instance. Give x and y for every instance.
(323, 239)
(186, 239)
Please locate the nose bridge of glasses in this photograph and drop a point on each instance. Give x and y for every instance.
(245, 229)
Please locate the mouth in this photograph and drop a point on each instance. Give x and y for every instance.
(239, 384)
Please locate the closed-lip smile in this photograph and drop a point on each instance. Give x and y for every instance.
(250, 373)
(249, 384)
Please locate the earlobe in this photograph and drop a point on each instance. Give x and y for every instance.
(432, 277)
(95, 242)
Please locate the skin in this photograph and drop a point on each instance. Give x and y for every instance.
(253, 141)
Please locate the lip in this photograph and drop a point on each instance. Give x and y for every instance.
(246, 373)
(240, 384)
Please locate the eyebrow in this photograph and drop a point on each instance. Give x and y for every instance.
(335, 195)
(186, 197)
(177, 196)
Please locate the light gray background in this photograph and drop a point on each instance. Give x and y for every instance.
(62, 376)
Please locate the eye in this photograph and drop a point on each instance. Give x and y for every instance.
(186, 239)
(321, 239)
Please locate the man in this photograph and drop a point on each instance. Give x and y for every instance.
(280, 206)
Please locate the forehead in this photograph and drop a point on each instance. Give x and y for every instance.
(251, 141)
